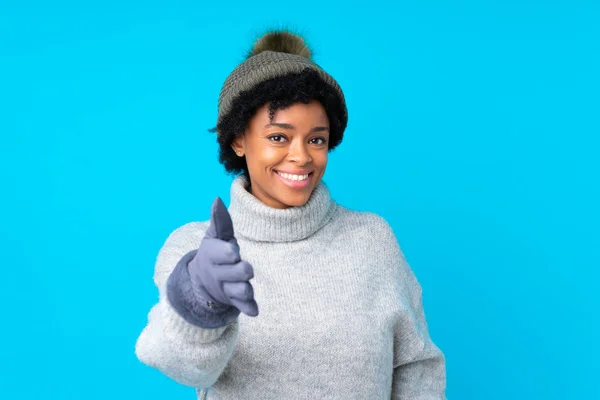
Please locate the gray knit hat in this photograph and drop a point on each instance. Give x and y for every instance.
(274, 54)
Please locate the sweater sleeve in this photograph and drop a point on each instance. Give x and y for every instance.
(187, 353)
(419, 365)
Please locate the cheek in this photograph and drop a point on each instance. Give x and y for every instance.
(264, 157)
(321, 157)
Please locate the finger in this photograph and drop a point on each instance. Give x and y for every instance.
(241, 271)
(223, 252)
(247, 307)
(221, 226)
(238, 290)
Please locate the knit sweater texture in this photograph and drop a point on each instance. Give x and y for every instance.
(340, 311)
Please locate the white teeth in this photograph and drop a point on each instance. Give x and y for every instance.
(293, 177)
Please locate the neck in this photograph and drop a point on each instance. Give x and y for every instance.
(257, 221)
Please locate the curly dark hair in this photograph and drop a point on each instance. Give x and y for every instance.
(280, 92)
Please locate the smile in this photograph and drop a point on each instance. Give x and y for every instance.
(294, 181)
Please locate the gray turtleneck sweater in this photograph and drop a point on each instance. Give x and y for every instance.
(341, 312)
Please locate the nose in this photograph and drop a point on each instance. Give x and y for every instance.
(299, 154)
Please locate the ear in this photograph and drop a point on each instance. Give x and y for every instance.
(238, 145)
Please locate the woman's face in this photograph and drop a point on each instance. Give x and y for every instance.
(280, 153)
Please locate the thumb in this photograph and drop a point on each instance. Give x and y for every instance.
(221, 226)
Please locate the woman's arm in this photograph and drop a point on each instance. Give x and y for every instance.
(190, 355)
(419, 365)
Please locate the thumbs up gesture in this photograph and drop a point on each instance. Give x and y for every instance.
(219, 277)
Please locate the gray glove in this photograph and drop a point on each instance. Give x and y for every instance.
(210, 286)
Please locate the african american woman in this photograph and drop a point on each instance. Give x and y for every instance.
(341, 311)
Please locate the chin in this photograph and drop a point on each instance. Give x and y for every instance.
(294, 201)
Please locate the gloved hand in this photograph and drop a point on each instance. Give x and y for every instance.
(217, 272)
(210, 286)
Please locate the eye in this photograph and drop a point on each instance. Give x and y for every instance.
(277, 138)
(318, 140)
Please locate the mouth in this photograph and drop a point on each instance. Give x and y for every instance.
(295, 181)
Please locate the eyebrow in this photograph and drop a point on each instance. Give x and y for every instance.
(290, 126)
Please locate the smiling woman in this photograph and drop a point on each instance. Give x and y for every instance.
(341, 310)
(286, 153)
(282, 110)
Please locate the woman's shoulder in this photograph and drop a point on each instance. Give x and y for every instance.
(368, 233)
(362, 222)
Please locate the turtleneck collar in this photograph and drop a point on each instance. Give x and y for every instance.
(255, 220)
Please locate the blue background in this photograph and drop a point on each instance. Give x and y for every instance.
(473, 130)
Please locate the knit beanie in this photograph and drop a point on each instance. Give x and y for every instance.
(274, 54)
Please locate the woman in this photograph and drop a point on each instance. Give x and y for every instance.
(341, 313)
